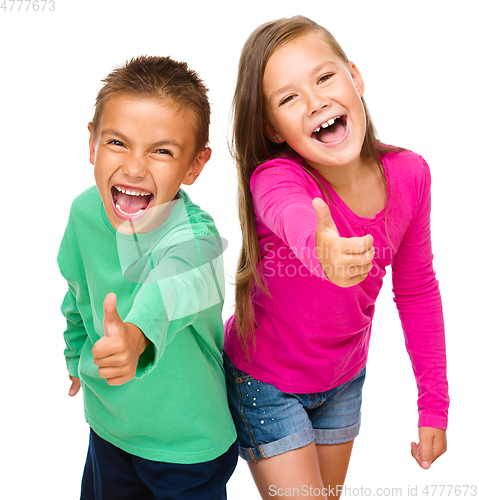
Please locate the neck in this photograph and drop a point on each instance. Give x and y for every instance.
(341, 177)
(361, 186)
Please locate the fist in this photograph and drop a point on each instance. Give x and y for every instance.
(117, 353)
(345, 261)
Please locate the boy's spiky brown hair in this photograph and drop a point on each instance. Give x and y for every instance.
(162, 78)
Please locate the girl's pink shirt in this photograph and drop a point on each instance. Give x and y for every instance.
(312, 335)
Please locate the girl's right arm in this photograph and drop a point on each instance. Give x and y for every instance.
(283, 195)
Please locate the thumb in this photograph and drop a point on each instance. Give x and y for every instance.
(422, 453)
(111, 317)
(75, 387)
(325, 221)
(425, 456)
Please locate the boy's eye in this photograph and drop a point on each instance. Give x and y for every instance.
(164, 152)
(115, 142)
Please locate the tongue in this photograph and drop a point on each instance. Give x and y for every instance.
(331, 133)
(131, 204)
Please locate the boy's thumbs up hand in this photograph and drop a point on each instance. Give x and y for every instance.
(112, 322)
(345, 261)
(117, 353)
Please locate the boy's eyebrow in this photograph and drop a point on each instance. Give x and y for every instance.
(111, 131)
(166, 142)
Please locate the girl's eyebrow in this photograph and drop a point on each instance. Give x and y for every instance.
(280, 91)
(321, 66)
(286, 88)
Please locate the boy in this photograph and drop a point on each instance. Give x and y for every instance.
(143, 264)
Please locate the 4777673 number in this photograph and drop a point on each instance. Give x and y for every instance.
(449, 490)
(27, 5)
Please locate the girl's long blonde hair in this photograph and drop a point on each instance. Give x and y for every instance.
(251, 147)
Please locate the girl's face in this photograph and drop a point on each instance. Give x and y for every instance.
(313, 102)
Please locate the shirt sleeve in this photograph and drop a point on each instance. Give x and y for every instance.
(283, 204)
(418, 300)
(75, 334)
(186, 281)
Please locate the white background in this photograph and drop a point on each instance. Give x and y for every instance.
(419, 62)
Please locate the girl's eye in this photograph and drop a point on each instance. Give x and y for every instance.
(325, 78)
(286, 99)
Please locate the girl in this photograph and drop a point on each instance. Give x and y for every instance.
(316, 190)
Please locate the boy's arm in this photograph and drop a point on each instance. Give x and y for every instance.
(187, 280)
(75, 334)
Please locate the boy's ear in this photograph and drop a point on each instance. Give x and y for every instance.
(197, 165)
(357, 78)
(272, 133)
(91, 143)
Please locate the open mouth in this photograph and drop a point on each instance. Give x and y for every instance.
(332, 130)
(130, 203)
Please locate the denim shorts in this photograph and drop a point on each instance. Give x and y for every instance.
(270, 422)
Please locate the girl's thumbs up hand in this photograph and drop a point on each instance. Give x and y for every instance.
(345, 261)
(116, 354)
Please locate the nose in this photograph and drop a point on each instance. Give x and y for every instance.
(135, 167)
(316, 102)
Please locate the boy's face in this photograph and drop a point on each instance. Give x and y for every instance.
(143, 150)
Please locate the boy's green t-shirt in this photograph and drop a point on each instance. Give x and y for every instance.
(169, 283)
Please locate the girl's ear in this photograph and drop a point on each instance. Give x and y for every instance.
(272, 133)
(357, 78)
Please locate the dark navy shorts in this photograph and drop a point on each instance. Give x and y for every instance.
(270, 422)
(113, 474)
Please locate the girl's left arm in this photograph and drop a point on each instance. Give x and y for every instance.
(418, 300)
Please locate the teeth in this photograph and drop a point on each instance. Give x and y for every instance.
(327, 124)
(132, 193)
